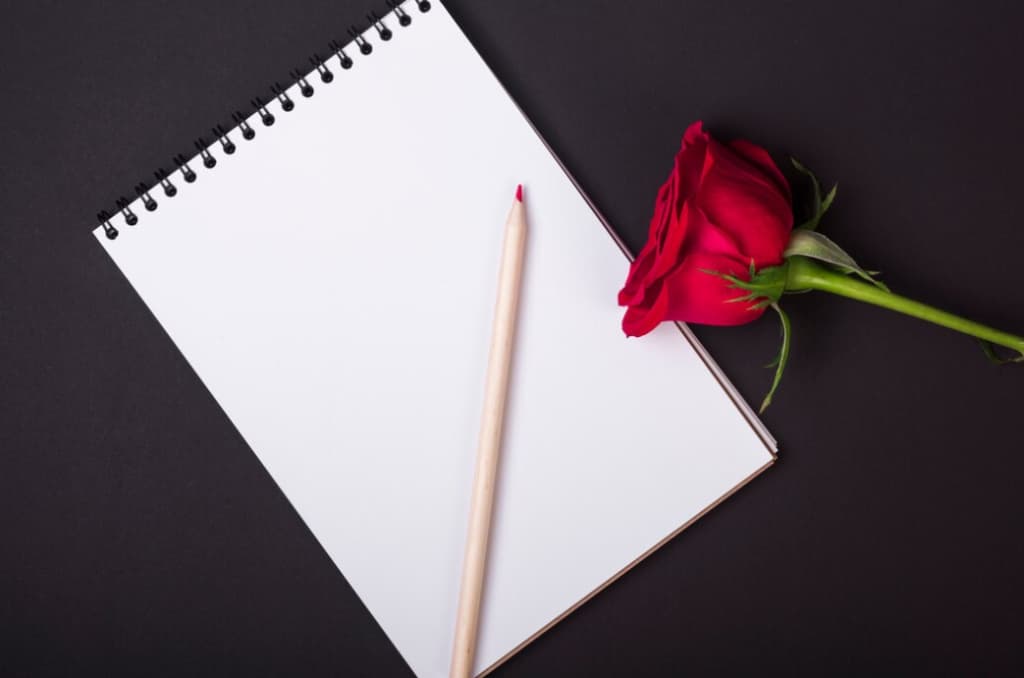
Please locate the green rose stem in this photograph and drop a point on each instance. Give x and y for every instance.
(804, 274)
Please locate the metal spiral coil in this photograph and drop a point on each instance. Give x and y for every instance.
(259, 107)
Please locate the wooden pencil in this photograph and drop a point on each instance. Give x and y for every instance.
(489, 445)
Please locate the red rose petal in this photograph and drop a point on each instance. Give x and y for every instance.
(758, 156)
(689, 163)
(633, 291)
(707, 238)
(695, 296)
(641, 319)
(671, 248)
(742, 200)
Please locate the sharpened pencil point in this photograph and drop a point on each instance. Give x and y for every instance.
(519, 193)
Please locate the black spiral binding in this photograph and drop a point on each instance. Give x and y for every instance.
(221, 135)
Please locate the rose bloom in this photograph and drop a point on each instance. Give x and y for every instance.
(724, 207)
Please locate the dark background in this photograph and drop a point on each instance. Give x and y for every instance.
(140, 536)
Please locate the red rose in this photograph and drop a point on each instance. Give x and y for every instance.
(724, 207)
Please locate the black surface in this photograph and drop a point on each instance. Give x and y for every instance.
(139, 535)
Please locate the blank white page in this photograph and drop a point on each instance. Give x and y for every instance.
(332, 283)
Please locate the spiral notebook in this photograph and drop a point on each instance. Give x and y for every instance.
(327, 266)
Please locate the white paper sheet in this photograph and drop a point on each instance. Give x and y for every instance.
(332, 283)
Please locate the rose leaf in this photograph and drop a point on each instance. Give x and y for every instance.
(990, 353)
(814, 245)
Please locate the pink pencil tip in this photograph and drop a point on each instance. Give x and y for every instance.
(519, 193)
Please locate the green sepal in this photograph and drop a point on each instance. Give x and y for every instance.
(780, 361)
(820, 204)
(817, 246)
(830, 197)
(764, 287)
(990, 352)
